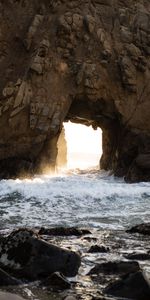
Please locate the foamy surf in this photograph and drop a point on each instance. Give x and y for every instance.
(86, 198)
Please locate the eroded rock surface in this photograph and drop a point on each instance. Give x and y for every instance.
(138, 256)
(30, 257)
(112, 273)
(133, 286)
(140, 228)
(63, 231)
(85, 61)
(57, 282)
(98, 249)
(119, 267)
(6, 279)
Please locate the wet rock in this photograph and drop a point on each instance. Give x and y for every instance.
(63, 231)
(98, 249)
(10, 168)
(116, 267)
(90, 239)
(30, 257)
(141, 228)
(6, 279)
(57, 282)
(138, 256)
(133, 286)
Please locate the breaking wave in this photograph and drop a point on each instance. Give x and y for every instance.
(87, 198)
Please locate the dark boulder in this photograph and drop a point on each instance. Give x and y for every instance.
(6, 279)
(56, 282)
(133, 286)
(138, 256)
(141, 228)
(98, 249)
(32, 258)
(63, 231)
(116, 267)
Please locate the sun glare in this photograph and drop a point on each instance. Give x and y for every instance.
(84, 145)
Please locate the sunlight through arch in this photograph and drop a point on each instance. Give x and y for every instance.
(84, 145)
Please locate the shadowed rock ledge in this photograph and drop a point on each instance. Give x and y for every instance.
(84, 61)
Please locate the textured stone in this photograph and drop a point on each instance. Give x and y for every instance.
(57, 282)
(141, 228)
(138, 256)
(85, 61)
(7, 280)
(30, 257)
(116, 267)
(98, 249)
(133, 286)
(63, 231)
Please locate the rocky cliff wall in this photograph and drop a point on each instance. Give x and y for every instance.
(83, 60)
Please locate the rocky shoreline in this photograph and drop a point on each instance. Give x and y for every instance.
(44, 264)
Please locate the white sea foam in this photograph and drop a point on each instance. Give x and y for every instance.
(73, 198)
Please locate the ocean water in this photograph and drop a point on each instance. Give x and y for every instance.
(88, 198)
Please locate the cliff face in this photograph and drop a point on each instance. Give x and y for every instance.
(85, 61)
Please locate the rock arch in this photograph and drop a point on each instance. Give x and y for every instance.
(57, 57)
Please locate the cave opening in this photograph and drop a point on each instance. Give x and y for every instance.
(79, 146)
(91, 134)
